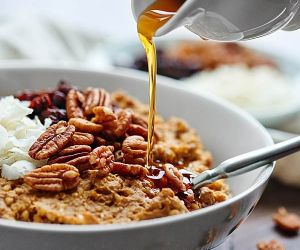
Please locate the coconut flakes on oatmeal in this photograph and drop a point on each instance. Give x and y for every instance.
(17, 133)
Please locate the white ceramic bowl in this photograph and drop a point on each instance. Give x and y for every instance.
(288, 168)
(225, 130)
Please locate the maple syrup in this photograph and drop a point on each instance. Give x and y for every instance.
(150, 20)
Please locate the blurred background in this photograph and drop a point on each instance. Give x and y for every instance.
(262, 76)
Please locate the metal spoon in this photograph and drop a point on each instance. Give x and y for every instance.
(247, 162)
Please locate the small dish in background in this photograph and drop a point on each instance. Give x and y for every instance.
(263, 91)
(265, 85)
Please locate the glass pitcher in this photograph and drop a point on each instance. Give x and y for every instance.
(230, 20)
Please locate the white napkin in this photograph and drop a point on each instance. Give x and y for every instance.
(40, 39)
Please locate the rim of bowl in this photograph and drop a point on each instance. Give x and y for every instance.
(164, 81)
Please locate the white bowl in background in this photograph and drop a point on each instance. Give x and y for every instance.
(125, 54)
(287, 169)
(225, 130)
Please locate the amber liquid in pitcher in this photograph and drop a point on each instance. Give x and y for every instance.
(151, 19)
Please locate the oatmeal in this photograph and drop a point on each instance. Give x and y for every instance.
(95, 172)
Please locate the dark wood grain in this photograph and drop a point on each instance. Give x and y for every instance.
(259, 226)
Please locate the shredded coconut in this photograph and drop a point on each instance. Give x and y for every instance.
(17, 133)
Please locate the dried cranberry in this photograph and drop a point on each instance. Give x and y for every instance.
(177, 69)
(26, 95)
(47, 104)
(59, 99)
(168, 66)
(157, 176)
(54, 114)
(40, 103)
(64, 87)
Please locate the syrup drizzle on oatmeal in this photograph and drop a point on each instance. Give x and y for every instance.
(151, 19)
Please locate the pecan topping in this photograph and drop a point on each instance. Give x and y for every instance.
(131, 170)
(271, 245)
(134, 149)
(96, 97)
(139, 126)
(75, 149)
(105, 116)
(52, 141)
(99, 141)
(80, 138)
(114, 124)
(53, 178)
(83, 125)
(124, 119)
(286, 221)
(135, 129)
(139, 121)
(175, 178)
(78, 156)
(102, 158)
(75, 100)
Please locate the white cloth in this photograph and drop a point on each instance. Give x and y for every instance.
(40, 39)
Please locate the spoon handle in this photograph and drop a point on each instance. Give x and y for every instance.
(247, 162)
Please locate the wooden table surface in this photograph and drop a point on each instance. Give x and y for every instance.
(259, 225)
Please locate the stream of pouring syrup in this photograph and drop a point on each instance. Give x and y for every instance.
(151, 19)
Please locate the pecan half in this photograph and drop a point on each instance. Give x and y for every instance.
(175, 178)
(124, 119)
(139, 121)
(77, 155)
(52, 141)
(53, 178)
(135, 129)
(286, 221)
(74, 103)
(139, 126)
(96, 97)
(80, 138)
(99, 141)
(131, 170)
(86, 126)
(106, 117)
(101, 159)
(115, 124)
(134, 149)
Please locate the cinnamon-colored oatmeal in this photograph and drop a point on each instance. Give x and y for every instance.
(114, 184)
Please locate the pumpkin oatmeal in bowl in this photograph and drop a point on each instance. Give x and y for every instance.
(89, 163)
(74, 172)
